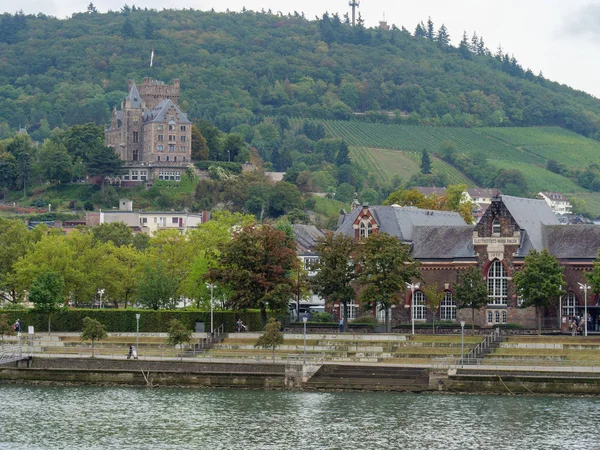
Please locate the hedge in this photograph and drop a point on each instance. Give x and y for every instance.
(123, 320)
(230, 166)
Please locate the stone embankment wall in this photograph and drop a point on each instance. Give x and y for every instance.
(146, 373)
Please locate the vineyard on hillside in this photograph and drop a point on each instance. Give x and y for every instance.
(386, 150)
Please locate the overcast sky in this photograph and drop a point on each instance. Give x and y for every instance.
(558, 37)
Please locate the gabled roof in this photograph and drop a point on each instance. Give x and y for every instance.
(135, 100)
(159, 113)
(399, 221)
(530, 214)
(483, 193)
(306, 237)
(572, 241)
(556, 196)
(428, 190)
(443, 242)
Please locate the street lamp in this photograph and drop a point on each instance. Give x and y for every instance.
(212, 296)
(137, 332)
(304, 319)
(585, 288)
(412, 288)
(462, 342)
(100, 293)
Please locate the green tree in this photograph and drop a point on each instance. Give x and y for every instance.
(55, 162)
(127, 31)
(9, 171)
(336, 269)
(433, 297)
(540, 280)
(5, 327)
(15, 242)
(156, 289)
(471, 292)
(258, 266)
(593, 276)
(93, 331)
(385, 266)
(178, 334)
(425, 163)
(116, 232)
(103, 161)
(272, 337)
(46, 293)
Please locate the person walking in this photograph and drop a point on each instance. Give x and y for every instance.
(130, 354)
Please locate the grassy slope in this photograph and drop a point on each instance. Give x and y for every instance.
(388, 150)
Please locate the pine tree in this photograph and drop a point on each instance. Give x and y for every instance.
(128, 31)
(103, 161)
(474, 42)
(463, 47)
(430, 32)
(420, 30)
(425, 163)
(149, 29)
(443, 38)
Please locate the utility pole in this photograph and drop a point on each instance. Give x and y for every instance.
(354, 4)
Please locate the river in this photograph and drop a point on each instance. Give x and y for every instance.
(57, 417)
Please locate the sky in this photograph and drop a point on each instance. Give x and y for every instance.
(559, 38)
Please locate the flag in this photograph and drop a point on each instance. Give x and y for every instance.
(152, 57)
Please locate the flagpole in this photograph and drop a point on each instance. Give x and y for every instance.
(152, 57)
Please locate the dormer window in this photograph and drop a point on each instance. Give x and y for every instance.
(496, 227)
(365, 229)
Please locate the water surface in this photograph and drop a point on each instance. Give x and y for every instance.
(42, 417)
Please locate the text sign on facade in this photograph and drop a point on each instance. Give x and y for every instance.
(496, 240)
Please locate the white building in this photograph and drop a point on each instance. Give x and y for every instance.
(556, 201)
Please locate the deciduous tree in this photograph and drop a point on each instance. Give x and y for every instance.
(384, 266)
(93, 331)
(471, 292)
(433, 297)
(46, 293)
(336, 269)
(272, 337)
(540, 280)
(178, 334)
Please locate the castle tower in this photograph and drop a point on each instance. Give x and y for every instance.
(153, 91)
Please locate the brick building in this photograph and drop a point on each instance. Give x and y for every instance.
(497, 246)
(151, 134)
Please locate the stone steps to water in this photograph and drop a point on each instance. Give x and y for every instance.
(333, 377)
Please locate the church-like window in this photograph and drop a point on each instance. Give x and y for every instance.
(419, 306)
(448, 307)
(497, 284)
(496, 226)
(569, 305)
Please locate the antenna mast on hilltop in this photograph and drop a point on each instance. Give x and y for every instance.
(354, 4)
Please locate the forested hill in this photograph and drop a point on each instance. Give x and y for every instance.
(236, 66)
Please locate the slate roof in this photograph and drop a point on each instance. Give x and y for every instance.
(399, 221)
(531, 215)
(134, 96)
(443, 242)
(306, 237)
(483, 193)
(572, 241)
(159, 113)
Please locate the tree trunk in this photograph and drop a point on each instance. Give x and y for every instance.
(538, 313)
(433, 323)
(388, 327)
(263, 315)
(49, 316)
(473, 321)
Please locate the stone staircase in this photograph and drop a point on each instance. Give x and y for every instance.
(348, 348)
(373, 378)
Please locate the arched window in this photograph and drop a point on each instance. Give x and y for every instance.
(419, 306)
(504, 317)
(489, 314)
(497, 284)
(497, 317)
(448, 307)
(496, 226)
(569, 305)
(365, 229)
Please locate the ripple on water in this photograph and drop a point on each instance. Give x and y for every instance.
(36, 417)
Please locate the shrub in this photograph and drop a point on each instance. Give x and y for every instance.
(321, 317)
(365, 320)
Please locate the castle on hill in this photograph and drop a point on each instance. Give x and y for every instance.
(151, 134)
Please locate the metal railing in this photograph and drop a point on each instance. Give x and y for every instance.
(12, 353)
(480, 348)
(204, 344)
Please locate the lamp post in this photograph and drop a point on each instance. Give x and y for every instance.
(137, 332)
(304, 319)
(100, 293)
(462, 342)
(412, 287)
(585, 288)
(212, 296)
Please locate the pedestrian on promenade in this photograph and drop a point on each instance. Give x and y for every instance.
(130, 354)
(134, 352)
(341, 324)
